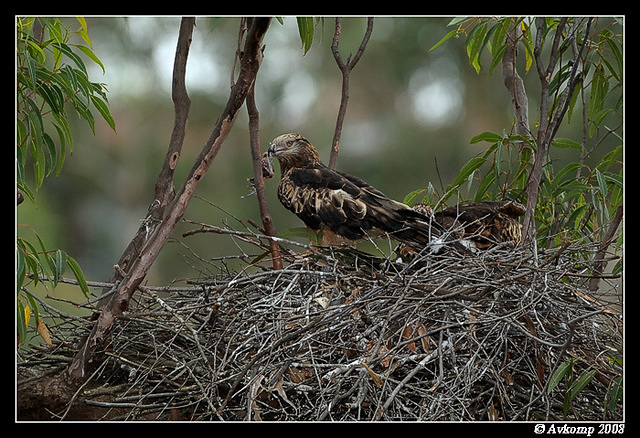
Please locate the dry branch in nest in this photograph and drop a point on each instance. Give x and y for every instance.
(340, 335)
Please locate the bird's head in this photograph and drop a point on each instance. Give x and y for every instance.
(293, 150)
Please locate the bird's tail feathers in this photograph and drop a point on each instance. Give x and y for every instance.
(422, 232)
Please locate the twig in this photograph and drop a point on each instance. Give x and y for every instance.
(441, 349)
(345, 69)
(514, 83)
(206, 228)
(258, 180)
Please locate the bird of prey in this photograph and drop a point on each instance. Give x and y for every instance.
(480, 224)
(340, 204)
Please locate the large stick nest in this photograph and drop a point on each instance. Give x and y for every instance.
(338, 335)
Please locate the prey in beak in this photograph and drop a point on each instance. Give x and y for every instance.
(267, 163)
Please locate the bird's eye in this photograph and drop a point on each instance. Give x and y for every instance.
(289, 142)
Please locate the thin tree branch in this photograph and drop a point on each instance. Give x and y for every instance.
(164, 187)
(258, 179)
(242, 30)
(119, 302)
(574, 78)
(514, 83)
(345, 69)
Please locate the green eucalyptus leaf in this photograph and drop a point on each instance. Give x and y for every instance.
(468, 169)
(615, 393)
(305, 29)
(77, 272)
(578, 385)
(444, 39)
(20, 266)
(103, 109)
(490, 137)
(485, 183)
(563, 369)
(87, 51)
(411, 197)
(69, 53)
(566, 143)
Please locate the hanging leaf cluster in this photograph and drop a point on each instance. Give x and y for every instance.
(52, 82)
(52, 74)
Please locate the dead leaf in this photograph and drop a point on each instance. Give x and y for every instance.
(355, 292)
(592, 301)
(375, 377)
(407, 333)
(255, 389)
(296, 375)
(387, 359)
(323, 301)
(508, 379)
(493, 413)
(27, 315)
(540, 369)
(174, 414)
(382, 349)
(43, 331)
(530, 325)
(350, 352)
(280, 390)
(472, 326)
(424, 339)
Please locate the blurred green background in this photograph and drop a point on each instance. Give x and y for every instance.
(410, 117)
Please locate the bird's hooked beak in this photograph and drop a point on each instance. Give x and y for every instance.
(281, 144)
(276, 148)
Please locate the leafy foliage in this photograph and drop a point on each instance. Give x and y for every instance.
(51, 77)
(574, 385)
(305, 28)
(51, 73)
(579, 194)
